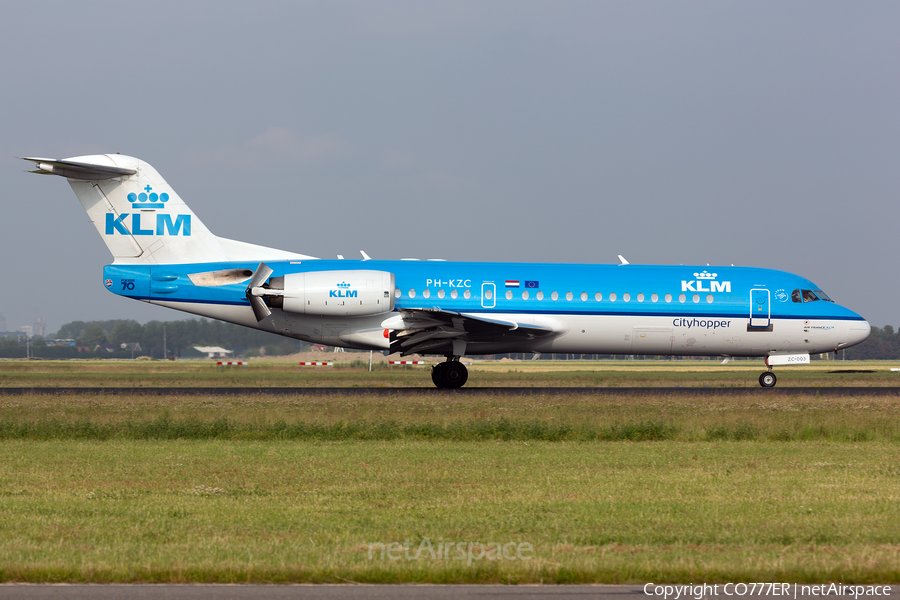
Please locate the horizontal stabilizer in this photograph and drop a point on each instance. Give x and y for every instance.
(77, 170)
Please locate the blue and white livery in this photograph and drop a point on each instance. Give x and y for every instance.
(164, 254)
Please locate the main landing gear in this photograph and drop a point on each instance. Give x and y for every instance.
(768, 379)
(449, 374)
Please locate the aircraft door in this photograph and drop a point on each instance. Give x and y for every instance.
(488, 295)
(760, 308)
(652, 340)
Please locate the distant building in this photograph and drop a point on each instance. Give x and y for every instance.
(26, 329)
(133, 346)
(39, 327)
(213, 351)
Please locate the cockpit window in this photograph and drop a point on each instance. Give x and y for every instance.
(809, 296)
(795, 296)
(823, 296)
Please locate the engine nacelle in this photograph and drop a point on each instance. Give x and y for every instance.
(334, 293)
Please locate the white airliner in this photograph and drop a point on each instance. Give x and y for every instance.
(164, 254)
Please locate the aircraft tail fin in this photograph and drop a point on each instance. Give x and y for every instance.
(140, 217)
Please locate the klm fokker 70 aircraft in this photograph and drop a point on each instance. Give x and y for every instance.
(163, 254)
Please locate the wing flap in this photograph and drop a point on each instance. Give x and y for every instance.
(418, 330)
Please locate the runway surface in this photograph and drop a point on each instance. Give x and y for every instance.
(467, 391)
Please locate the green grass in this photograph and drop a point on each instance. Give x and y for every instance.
(548, 417)
(665, 373)
(231, 511)
(605, 489)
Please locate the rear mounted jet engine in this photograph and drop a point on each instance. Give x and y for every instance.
(332, 293)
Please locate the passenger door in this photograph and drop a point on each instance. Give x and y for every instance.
(760, 308)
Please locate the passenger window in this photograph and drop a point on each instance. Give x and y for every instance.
(669, 298)
(554, 296)
(612, 297)
(525, 295)
(540, 296)
(454, 294)
(426, 293)
(795, 296)
(598, 296)
(640, 297)
(508, 295)
(709, 298)
(569, 296)
(467, 294)
(696, 298)
(440, 293)
(626, 297)
(655, 297)
(584, 296)
(808, 296)
(412, 293)
(488, 294)
(397, 293)
(682, 298)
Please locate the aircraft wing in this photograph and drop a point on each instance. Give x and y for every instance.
(436, 331)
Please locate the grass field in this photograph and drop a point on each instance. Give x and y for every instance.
(306, 511)
(354, 373)
(613, 488)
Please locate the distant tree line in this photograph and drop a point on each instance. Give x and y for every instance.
(180, 338)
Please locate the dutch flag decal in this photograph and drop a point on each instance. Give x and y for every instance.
(512, 283)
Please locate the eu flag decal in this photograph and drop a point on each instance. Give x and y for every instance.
(532, 284)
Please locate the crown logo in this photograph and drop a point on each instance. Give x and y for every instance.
(148, 199)
(343, 285)
(705, 275)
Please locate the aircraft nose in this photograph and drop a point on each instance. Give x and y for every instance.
(857, 332)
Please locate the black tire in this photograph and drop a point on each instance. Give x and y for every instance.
(768, 380)
(437, 375)
(455, 374)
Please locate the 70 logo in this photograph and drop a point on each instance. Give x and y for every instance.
(127, 284)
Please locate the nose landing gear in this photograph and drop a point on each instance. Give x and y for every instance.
(768, 379)
(450, 374)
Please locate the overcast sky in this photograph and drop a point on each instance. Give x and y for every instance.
(754, 133)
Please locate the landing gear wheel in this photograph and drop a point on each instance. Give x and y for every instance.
(437, 375)
(455, 374)
(767, 379)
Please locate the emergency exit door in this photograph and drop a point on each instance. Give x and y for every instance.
(488, 295)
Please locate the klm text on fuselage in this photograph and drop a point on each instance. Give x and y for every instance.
(714, 286)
